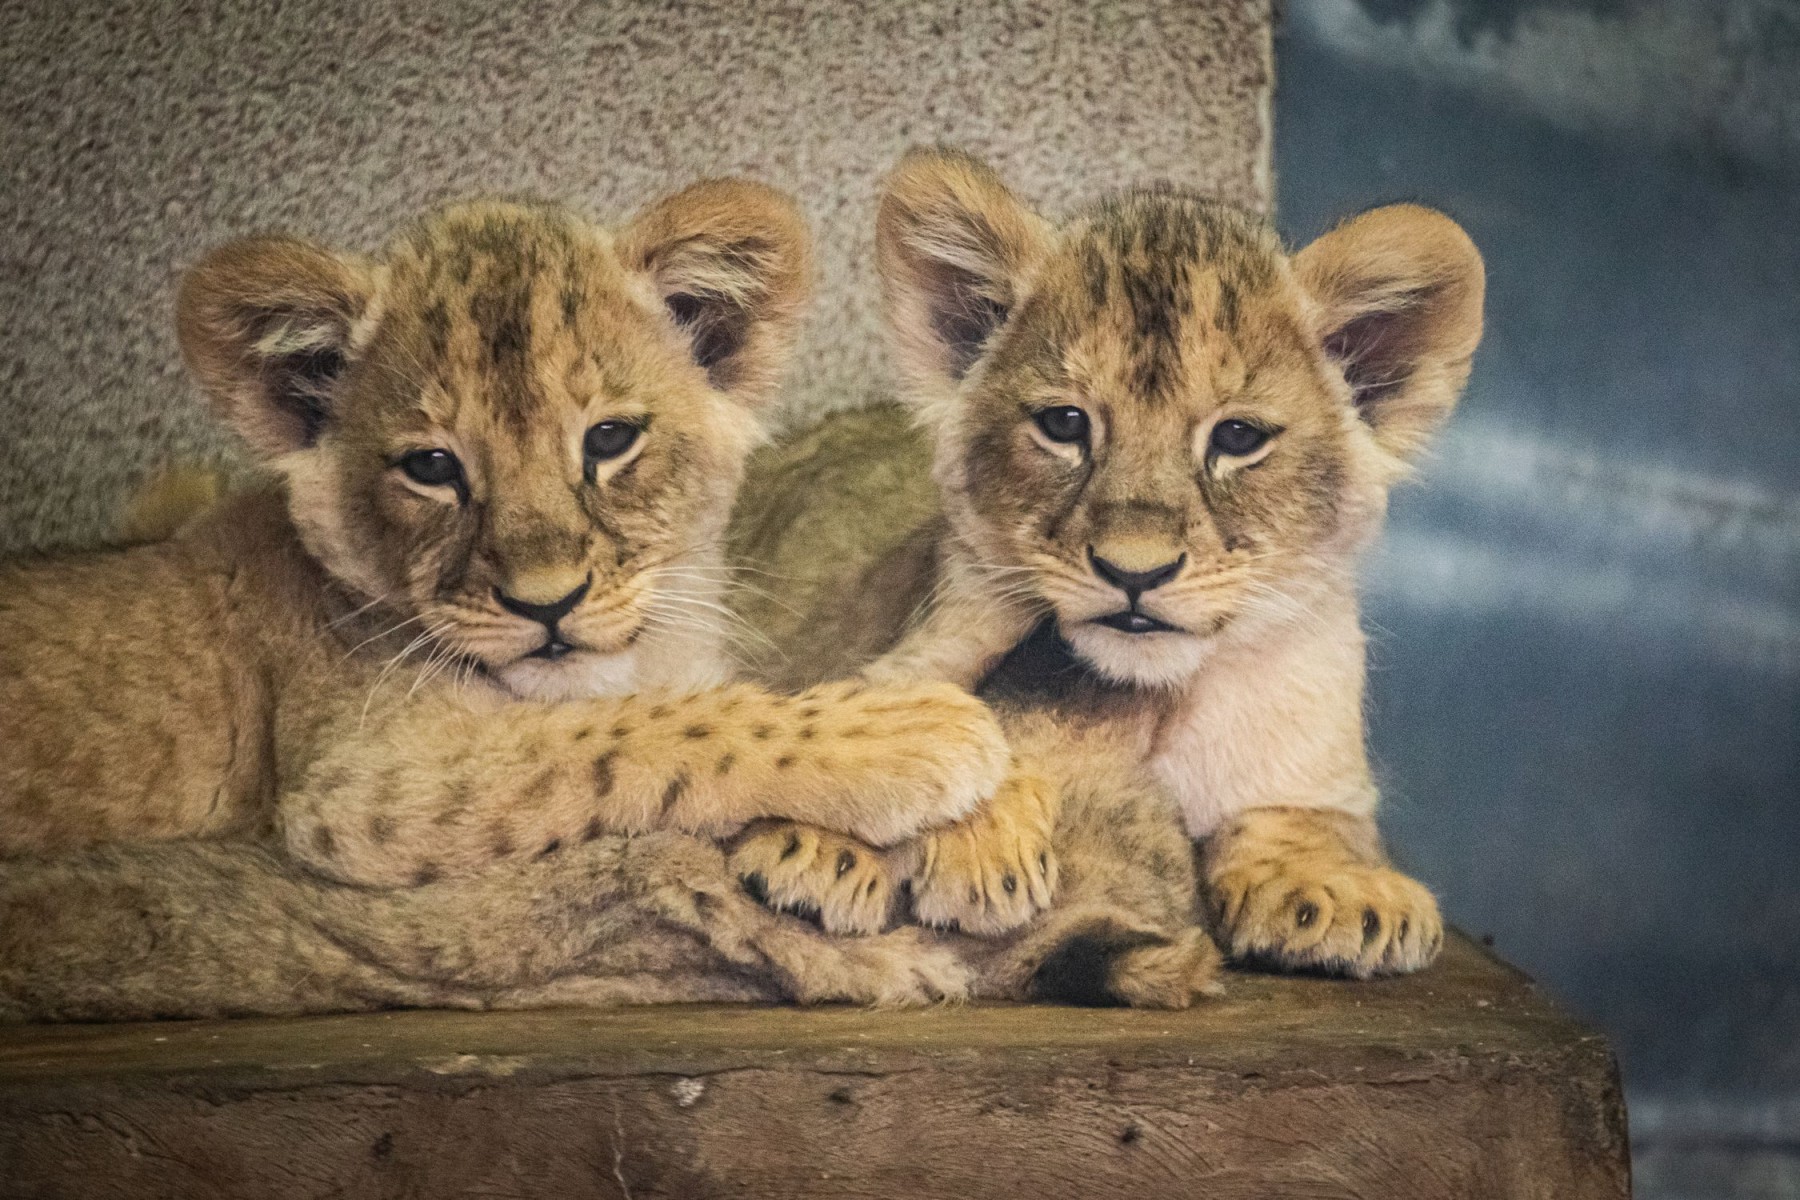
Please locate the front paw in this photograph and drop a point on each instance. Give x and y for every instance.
(908, 758)
(843, 884)
(993, 871)
(1342, 918)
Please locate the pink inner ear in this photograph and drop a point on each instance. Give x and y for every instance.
(717, 327)
(300, 385)
(964, 317)
(1373, 352)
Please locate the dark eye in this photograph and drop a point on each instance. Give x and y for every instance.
(1062, 423)
(433, 468)
(608, 439)
(1235, 439)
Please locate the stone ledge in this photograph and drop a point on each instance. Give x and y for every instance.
(1461, 1082)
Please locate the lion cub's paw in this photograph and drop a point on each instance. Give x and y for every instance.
(912, 758)
(1346, 918)
(844, 884)
(901, 969)
(992, 871)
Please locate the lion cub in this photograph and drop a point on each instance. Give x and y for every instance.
(477, 621)
(1159, 443)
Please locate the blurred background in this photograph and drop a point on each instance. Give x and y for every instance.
(1586, 685)
(1586, 665)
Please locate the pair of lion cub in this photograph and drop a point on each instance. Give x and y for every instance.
(483, 619)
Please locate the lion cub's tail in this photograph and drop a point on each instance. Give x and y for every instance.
(1111, 964)
(166, 503)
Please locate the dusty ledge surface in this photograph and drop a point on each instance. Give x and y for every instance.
(1464, 1081)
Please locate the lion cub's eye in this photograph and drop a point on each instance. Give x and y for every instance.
(608, 439)
(433, 468)
(1062, 423)
(1235, 438)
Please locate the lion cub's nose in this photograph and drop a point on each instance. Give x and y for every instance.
(546, 613)
(1135, 583)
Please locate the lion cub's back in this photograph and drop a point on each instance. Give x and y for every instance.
(836, 531)
(105, 677)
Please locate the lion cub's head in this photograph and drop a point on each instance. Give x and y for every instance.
(1153, 418)
(519, 430)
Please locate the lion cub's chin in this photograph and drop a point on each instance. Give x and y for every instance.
(576, 675)
(1158, 660)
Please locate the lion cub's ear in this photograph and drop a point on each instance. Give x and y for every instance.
(953, 246)
(1400, 292)
(265, 325)
(732, 261)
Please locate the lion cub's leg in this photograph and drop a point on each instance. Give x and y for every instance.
(986, 874)
(996, 868)
(434, 789)
(210, 929)
(966, 630)
(1126, 927)
(1309, 889)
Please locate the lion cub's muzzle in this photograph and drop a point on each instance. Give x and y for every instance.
(1135, 583)
(549, 615)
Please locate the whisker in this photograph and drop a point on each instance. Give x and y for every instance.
(357, 611)
(395, 628)
(394, 663)
(664, 621)
(731, 620)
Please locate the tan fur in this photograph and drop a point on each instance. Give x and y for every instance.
(326, 659)
(168, 502)
(1310, 888)
(1102, 907)
(985, 875)
(212, 929)
(1161, 315)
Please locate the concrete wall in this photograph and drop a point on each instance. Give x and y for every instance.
(137, 135)
(1586, 695)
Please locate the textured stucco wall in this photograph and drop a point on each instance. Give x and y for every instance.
(136, 135)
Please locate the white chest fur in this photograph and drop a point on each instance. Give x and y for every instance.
(1277, 723)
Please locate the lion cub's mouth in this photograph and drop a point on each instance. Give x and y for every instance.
(558, 646)
(1134, 622)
